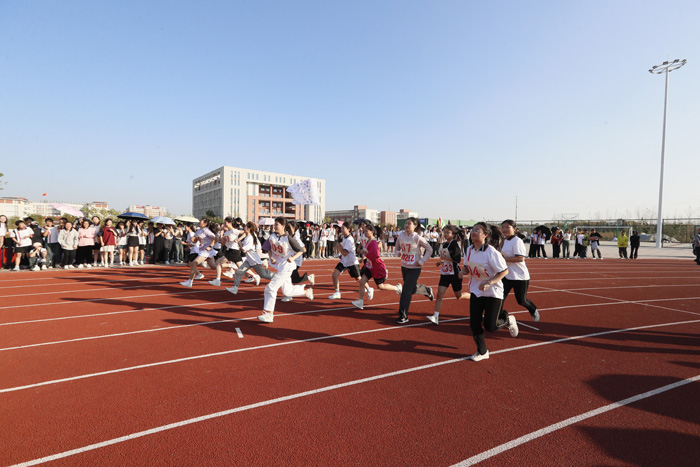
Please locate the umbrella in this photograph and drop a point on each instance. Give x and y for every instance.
(163, 220)
(545, 230)
(132, 215)
(187, 219)
(266, 221)
(366, 221)
(67, 210)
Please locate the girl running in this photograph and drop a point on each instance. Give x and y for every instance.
(374, 268)
(295, 231)
(408, 246)
(250, 245)
(518, 277)
(283, 251)
(450, 257)
(348, 260)
(230, 251)
(485, 267)
(203, 239)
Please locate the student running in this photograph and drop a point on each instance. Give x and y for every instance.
(250, 245)
(374, 268)
(348, 260)
(450, 257)
(203, 240)
(518, 277)
(408, 246)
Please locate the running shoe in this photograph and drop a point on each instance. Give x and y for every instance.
(257, 280)
(199, 276)
(536, 316)
(287, 299)
(309, 294)
(233, 289)
(88, 265)
(402, 321)
(250, 279)
(187, 284)
(359, 304)
(430, 294)
(80, 266)
(477, 357)
(167, 262)
(266, 317)
(433, 319)
(228, 274)
(335, 296)
(36, 268)
(312, 279)
(370, 293)
(399, 289)
(215, 283)
(512, 326)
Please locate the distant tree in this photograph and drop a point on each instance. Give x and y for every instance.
(1, 182)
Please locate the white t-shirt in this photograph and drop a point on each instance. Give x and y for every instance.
(249, 247)
(515, 247)
(300, 260)
(348, 243)
(230, 237)
(24, 236)
(480, 265)
(331, 235)
(280, 251)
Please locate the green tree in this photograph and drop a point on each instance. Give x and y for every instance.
(1, 182)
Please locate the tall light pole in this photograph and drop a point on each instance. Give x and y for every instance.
(665, 67)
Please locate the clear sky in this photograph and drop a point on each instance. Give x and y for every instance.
(448, 108)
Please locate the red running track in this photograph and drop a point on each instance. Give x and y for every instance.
(125, 367)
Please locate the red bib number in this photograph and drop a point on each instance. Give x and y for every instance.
(475, 270)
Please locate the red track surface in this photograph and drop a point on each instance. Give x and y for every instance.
(104, 356)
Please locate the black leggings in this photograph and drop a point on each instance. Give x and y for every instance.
(295, 277)
(68, 257)
(493, 316)
(519, 288)
(410, 287)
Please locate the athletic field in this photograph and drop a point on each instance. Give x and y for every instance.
(125, 367)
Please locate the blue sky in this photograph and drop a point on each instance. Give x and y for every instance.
(449, 108)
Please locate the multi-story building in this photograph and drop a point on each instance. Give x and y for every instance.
(387, 217)
(252, 195)
(22, 207)
(147, 210)
(363, 212)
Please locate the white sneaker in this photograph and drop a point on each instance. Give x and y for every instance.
(370, 293)
(36, 268)
(433, 319)
(88, 265)
(286, 299)
(399, 289)
(233, 289)
(111, 265)
(266, 317)
(359, 304)
(257, 280)
(249, 280)
(205, 265)
(512, 326)
(312, 279)
(66, 267)
(215, 283)
(335, 296)
(187, 284)
(167, 262)
(477, 357)
(72, 266)
(199, 276)
(80, 266)
(228, 274)
(536, 316)
(309, 294)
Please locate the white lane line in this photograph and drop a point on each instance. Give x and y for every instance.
(277, 400)
(570, 421)
(520, 323)
(240, 334)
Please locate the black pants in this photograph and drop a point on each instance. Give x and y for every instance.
(494, 318)
(519, 288)
(410, 287)
(623, 251)
(556, 249)
(68, 257)
(533, 250)
(567, 251)
(330, 247)
(633, 251)
(593, 253)
(83, 255)
(541, 249)
(158, 250)
(697, 255)
(295, 276)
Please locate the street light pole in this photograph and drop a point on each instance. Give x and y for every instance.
(665, 67)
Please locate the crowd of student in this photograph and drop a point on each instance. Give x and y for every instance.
(491, 258)
(582, 239)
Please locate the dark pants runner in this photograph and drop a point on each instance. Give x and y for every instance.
(410, 287)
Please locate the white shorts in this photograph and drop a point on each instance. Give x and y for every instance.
(322, 243)
(107, 249)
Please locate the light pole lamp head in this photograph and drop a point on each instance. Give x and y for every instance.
(667, 66)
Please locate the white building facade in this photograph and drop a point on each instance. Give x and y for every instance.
(252, 195)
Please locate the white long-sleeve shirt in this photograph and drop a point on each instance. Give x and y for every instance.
(408, 248)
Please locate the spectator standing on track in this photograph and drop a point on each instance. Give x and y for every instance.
(108, 243)
(518, 277)
(283, 251)
(178, 254)
(5, 243)
(486, 267)
(594, 238)
(622, 244)
(556, 242)
(323, 241)
(541, 241)
(566, 244)
(408, 246)
(450, 253)
(86, 244)
(133, 235)
(534, 244)
(157, 238)
(634, 245)
(696, 247)
(50, 233)
(96, 246)
(374, 268)
(68, 239)
(332, 235)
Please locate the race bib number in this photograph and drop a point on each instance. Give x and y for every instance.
(475, 270)
(408, 252)
(447, 268)
(278, 249)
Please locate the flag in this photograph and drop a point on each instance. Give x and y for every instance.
(305, 192)
(44, 194)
